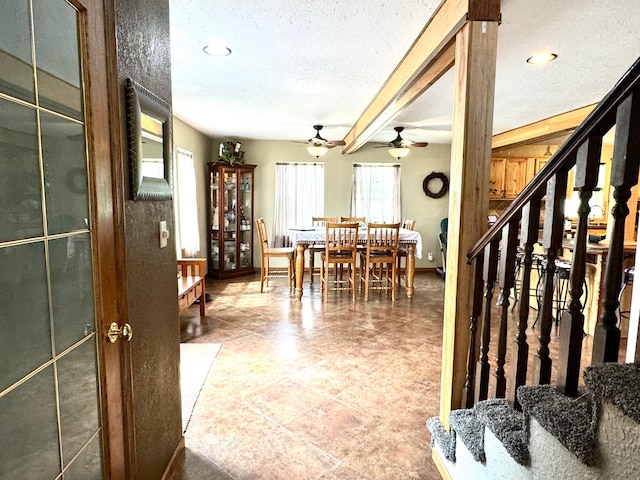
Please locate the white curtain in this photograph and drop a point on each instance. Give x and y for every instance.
(188, 234)
(375, 192)
(299, 196)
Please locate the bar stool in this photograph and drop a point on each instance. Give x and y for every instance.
(536, 264)
(629, 273)
(561, 287)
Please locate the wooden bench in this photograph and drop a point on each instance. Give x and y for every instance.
(191, 275)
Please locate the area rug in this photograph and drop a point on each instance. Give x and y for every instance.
(195, 362)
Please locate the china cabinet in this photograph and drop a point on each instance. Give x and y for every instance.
(230, 219)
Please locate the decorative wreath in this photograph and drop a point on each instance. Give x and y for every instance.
(432, 176)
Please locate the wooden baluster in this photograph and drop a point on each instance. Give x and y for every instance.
(552, 242)
(624, 174)
(489, 276)
(572, 323)
(528, 237)
(507, 272)
(476, 312)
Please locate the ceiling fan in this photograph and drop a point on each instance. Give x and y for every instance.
(318, 146)
(399, 147)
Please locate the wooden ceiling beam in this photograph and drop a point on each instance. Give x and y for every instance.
(542, 130)
(431, 55)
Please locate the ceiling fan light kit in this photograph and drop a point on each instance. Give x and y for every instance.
(400, 148)
(318, 146)
(399, 152)
(317, 151)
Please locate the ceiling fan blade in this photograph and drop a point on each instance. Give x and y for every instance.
(419, 144)
(334, 143)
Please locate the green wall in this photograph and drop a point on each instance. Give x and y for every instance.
(415, 204)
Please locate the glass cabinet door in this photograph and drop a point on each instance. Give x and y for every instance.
(244, 219)
(229, 203)
(214, 208)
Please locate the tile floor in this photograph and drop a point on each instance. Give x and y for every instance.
(306, 390)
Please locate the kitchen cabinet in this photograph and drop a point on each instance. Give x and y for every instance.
(508, 176)
(230, 219)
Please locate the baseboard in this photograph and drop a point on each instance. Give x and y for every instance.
(444, 473)
(173, 462)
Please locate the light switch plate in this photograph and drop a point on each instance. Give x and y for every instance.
(164, 234)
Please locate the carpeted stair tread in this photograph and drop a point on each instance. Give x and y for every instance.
(570, 421)
(507, 425)
(445, 440)
(470, 430)
(616, 383)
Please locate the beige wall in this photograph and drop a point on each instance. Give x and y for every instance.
(188, 138)
(415, 204)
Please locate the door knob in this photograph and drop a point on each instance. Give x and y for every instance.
(115, 332)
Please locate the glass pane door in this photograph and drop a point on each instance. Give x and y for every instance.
(49, 391)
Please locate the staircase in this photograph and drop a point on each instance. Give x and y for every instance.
(506, 428)
(594, 436)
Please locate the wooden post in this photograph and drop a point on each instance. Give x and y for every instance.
(472, 358)
(624, 174)
(475, 61)
(572, 323)
(529, 236)
(506, 281)
(552, 242)
(489, 271)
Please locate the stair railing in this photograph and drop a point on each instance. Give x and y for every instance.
(493, 257)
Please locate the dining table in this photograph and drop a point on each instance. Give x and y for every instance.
(303, 236)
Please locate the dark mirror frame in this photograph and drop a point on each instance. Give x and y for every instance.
(139, 101)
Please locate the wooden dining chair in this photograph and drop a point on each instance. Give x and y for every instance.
(341, 240)
(353, 219)
(268, 253)
(317, 248)
(378, 262)
(407, 224)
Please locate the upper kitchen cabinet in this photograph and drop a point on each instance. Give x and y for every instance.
(508, 177)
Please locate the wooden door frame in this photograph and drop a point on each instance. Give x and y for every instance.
(106, 185)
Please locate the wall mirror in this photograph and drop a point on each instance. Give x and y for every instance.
(150, 143)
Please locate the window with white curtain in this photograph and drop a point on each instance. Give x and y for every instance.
(299, 196)
(188, 231)
(375, 192)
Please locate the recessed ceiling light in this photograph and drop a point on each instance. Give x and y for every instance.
(217, 49)
(542, 58)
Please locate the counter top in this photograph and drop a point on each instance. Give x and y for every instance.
(601, 247)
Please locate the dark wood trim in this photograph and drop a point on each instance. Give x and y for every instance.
(99, 68)
(489, 274)
(484, 10)
(506, 280)
(174, 460)
(529, 236)
(474, 347)
(624, 175)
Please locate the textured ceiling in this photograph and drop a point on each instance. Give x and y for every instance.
(296, 63)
